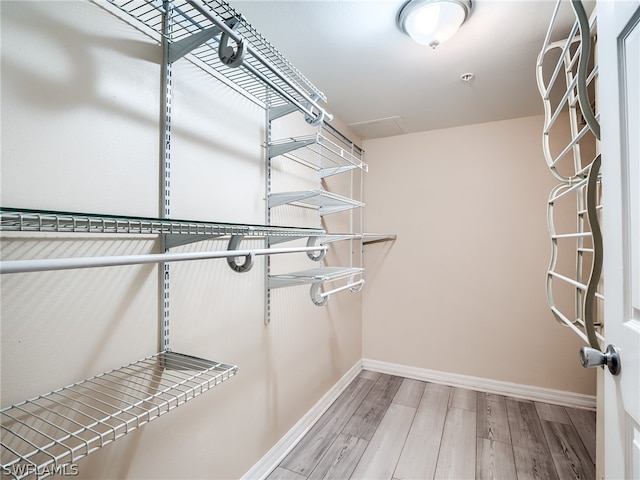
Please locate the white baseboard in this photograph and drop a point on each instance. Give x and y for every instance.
(280, 450)
(527, 392)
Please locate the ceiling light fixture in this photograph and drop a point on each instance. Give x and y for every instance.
(431, 22)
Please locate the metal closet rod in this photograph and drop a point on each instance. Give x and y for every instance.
(48, 264)
(344, 287)
(197, 4)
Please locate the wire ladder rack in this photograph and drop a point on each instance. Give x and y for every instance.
(568, 94)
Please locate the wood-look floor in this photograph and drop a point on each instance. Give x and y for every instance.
(387, 427)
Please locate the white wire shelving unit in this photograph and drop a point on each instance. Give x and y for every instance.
(567, 73)
(320, 152)
(329, 153)
(326, 202)
(43, 435)
(175, 233)
(316, 277)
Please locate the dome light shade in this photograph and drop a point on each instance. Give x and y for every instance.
(431, 22)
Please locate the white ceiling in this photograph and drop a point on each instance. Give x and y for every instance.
(382, 83)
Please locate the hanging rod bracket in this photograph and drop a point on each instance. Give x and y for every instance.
(315, 256)
(234, 243)
(228, 56)
(316, 117)
(316, 295)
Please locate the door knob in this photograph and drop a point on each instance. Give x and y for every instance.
(591, 357)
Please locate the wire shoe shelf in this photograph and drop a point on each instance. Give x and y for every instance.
(44, 433)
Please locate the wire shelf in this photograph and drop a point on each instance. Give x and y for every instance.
(314, 275)
(327, 202)
(24, 220)
(262, 58)
(319, 152)
(41, 435)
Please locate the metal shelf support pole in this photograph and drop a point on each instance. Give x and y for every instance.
(269, 115)
(165, 171)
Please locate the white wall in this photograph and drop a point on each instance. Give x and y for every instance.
(462, 290)
(80, 132)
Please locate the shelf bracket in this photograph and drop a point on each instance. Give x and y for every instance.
(228, 56)
(175, 239)
(182, 47)
(378, 238)
(275, 239)
(282, 148)
(281, 111)
(315, 256)
(234, 243)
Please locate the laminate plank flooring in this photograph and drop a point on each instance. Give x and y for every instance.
(309, 451)
(386, 427)
(493, 423)
(457, 456)
(585, 423)
(367, 417)
(420, 453)
(379, 459)
(530, 448)
(567, 451)
(494, 460)
(341, 459)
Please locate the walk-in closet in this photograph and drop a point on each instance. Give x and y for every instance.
(269, 239)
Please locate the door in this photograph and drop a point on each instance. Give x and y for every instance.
(619, 104)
